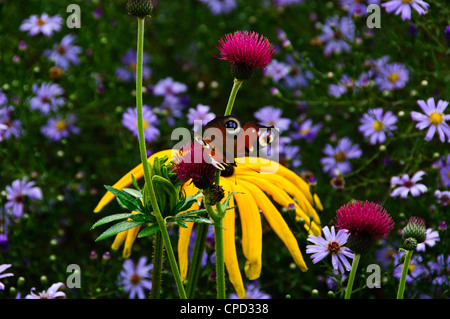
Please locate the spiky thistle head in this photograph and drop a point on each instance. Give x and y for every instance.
(140, 8)
(414, 233)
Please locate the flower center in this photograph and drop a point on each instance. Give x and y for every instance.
(333, 247)
(61, 125)
(378, 126)
(61, 49)
(132, 67)
(40, 22)
(407, 1)
(144, 124)
(411, 267)
(408, 184)
(135, 279)
(340, 157)
(393, 77)
(304, 131)
(436, 118)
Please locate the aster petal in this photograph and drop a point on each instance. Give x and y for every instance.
(441, 106)
(430, 133)
(424, 106)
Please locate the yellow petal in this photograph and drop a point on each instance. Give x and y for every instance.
(185, 233)
(318, 202)
(251, 230)
(131, 237)
(118, 241)
(126, 180)
(229, 245)
(277, 223)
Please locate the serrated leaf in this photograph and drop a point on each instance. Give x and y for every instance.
(117, 228)
(110, 218)
(150, 230)
(125, 200)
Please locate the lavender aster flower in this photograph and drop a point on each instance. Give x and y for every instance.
(375, 125)
(220, 6)
(135, 278)
(51, 293)
(43, 24)
(336, 33)
(2, 269)
(357, 7)
(168, 86)
(253, 291)
(47, 97)
(199, 116)
(8, 126)
(338, 158)
(331, 244)
(392, 76)
(416, 269)
(277, 70)
(58, 128)
(172, 107)
(430, 240)
(443, 165)
(433, 117)
(127, 72)
(284, 3)
(17, 193)
(306, 130)
(64, 53)
(403, 7)
(345, 83)
(271, 116)
(406, 185)
(440, 270)
(129, 120)
(443, 197)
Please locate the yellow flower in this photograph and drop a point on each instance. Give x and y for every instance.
(251, 187)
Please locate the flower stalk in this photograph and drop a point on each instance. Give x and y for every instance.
(236, 86)
(401, 286)
(194, 269)
(147, 172)
(351, 278)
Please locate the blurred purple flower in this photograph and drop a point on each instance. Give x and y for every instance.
(51, 293)
(345, 83)
(8, 126)
(282, 3)
(220, 6)
(392, 76)
(430, 240)
(447, 33)
(127, 72)
(433, 117)
(129, 120)
(277, 70)
(65, 52)
(171, 108)
(43, 24)
(403, 7)
(168, 87)
(443, 197)
(357, 7)
(47, 97)
(443, 165)
(440, 270)
(338, 158)
(136, 278)
(199, 116)
(271, 116)
(416, 269)
(3, 98)
(375, 125)
(17, 193)
(305, 130)
(58, 128)
(336, 33)
(406, 185)
(253, 291)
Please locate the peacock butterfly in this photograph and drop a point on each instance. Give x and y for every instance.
(224, 139)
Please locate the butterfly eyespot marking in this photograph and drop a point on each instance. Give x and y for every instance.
(266, 137)
(232, 126)
(203, 143)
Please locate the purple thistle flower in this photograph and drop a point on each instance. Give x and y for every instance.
(336, 33)
(150, 121)
(127, 72)
(220, 6)
(403, 7)
(47, 97)
(135, 278)
(8, 126)
(17, 193)
(338, 158)
(392, 76)
(64, 53)
(375, 125)
(2, 269)
(305, 130)
(331, 244)
(406, 185)
(245, 51)
(199, 116)
(271, 116)
(58, 128)
(433, 117)
(43, 24)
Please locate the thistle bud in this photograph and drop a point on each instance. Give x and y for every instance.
(214, 194)
(410, 243)
(415, 229)
(140, 8)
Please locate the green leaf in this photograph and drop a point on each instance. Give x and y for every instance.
(197, 219)
(142, 218)
(135, 183)
(186, 202)
(117, 228)
(150, 230)
(125, 200)
(133, 192)
(180, 223)
(110, 218)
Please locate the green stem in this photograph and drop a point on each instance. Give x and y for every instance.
(401, 286)
(157, 266)
(351, 278)
(236, 85)
(194, 268)
(145, 165)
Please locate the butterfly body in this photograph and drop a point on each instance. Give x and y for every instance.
(224, 139)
